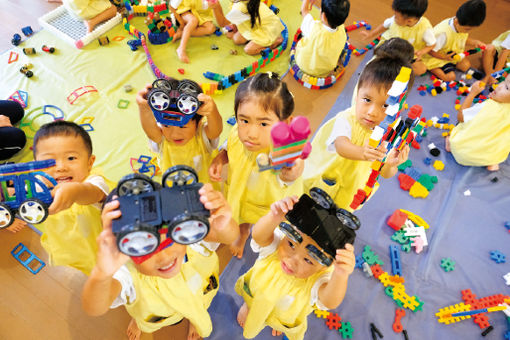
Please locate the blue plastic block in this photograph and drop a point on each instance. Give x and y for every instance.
(359, 261)
(443, 120)
(218, 32)
(231, 121)
(412, 172)
(27, 31)
(418, 138)
(19, 250)
(507, 225)
(396, 268)
(427, 161)
(498, 256)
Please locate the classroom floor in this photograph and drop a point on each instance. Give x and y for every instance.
(47, 305)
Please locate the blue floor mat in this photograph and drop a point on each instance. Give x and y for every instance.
(465, 228)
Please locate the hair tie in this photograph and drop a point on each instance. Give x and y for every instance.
(270, 74)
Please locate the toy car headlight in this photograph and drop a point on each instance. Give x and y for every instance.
(318, 255)
(186, 229)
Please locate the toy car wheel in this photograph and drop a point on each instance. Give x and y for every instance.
(6, 216)
(134, 184)
(187, 104)
(188, 229)
(165, 84)
(159, 100)
(321, 198)
(348, 219)
(33, 211)
(139, 241)
(179, 175)
(189, 87)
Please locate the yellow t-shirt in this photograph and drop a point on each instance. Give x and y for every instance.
(485, 139)
(499, 42)
(69, 237)
(198, 8)
(86, 9)
(320, 47)
(339, 177)
(155, 302)
(455, 42)
(250, 193)
(276, 299)
(197, 153)
(414, 35)
(264, 33)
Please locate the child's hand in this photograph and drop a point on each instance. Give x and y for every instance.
(364, 35)
(479, 44)
(64, 196)
(216, 167)
(208, 105)
(292, 173)
(215, 202)
(109, 258)
(141, 97)
(371, 154)
(5, 121)
(344, 260)
(281, 207)
(449, 56)
(477, 87)
(395, 158)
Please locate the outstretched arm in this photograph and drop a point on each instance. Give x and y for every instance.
(218, 14)
(209, 109)
(262, 231)
(374, 33)
(345, 148)
(224, 228)
(67, 193)
(476, 88)
(149, 125)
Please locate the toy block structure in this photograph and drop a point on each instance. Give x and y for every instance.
(19, 252)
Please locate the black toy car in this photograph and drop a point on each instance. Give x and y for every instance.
(148, 209)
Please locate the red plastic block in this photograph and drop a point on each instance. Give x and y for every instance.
(406, 182)
(397, 220)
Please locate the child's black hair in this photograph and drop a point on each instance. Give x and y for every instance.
(471, 13)
(395, 48)
(381, 72)
(336, 11)
(272, 92)
(410, 8)
(253, 10)
(62, 128)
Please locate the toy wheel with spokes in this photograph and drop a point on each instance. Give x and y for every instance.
(188, 229)
(159, 100)
(179, 175)
(187, 104)
(321, 198)
(33, 211)
(189, 87)
(348, 219)
(139, 241)
(166, 85)
(6, 216)
(134, 184)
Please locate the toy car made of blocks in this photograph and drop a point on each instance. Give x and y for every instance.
(289, 142)
(174, 102)
(149, 209)
(31, 196)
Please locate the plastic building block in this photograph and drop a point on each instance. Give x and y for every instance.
(370, 257)
(128, 88)
(412, 172)
(20, 97)
(427, 181)
(367, 269)
(123, 104)
(16, 39)
(214, 47)
(507, 335)
(438, 165)
(417, 243)
(397, 325)
(48, 49)
(346, 330)
(13, 57)
(397, 219)
(360, 261)
(498, 256)
(333, 321)
(507, 225)
(85, 122)
(396, 268)
(418, 191)
(231, 120)
(507, 278)
(434, 151)
(406, 248)
(406, 182)
(18, 252)
(27, 31)
(376, 270)
(322, 314)
(405, 165)
(181, 70)
(447, 264)
(80, 92)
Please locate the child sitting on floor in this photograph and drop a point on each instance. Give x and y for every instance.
(496, 56)
(93, 12)
(300, 266)
(408, 23)
(195, 19)
(173, 283)
(192, 144)
(260, 102)
(482, 137)
(452, 38)
(70, 232)
(341, 160)
(323, 41)
(252, 23)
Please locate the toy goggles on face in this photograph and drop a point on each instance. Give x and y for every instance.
(163, 245)
(318, 255)
(174, 102)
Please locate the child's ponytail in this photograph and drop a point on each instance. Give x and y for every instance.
(253, 10)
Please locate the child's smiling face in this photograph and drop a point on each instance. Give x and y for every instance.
(165, 263)
(180, 135)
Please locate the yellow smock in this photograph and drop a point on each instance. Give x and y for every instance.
(317, 53)
(499, 40)
(250, 193)
(455, 42)
(264, 33)
(414, 35)
(346, 175)
(485, 139)
(276, 299)
(162, 302)
(86, 9)
(198, 8)
(197, 153)
(69, 237)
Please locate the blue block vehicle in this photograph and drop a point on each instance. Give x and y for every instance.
(24, 192)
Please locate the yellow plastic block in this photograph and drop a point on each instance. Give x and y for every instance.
(404, 75)
(438, 165)
(321, 313)
(376, 165)
(418, 190)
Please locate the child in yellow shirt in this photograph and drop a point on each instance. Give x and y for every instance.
(341, 159)
(69, 233)
(173, 283)
(192, 144)
(260, 102)
(93, 12)
(323, 41)
(301, 265)
(408, 23)
(452, 38)
(252, 24)
(496, 56)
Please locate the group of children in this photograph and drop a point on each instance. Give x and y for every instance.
(287, 281)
